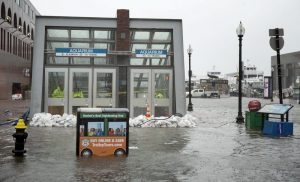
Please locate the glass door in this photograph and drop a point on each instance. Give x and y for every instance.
(140, 91)
(80, 89)
(104, 91)
(151, 89)
(162, 92)
(56, 86)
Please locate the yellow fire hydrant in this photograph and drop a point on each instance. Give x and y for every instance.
(20, 138)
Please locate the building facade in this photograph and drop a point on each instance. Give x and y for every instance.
(290, 72)
(108, 62)
(17, 24)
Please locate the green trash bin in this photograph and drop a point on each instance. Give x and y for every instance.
(254, 120)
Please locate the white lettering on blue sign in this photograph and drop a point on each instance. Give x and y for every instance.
(151, 53)
(80, 52)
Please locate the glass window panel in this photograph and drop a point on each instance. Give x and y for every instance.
(141, 81)
(104, 85)
(139, 61)
(80, 60)
(100, 45)
(57, 33)
(95, 129)
(53, 45)
(56, 84)
(57, 60)
(141, 35)
(158, 46)
(80, 34)
(162, 36)
(117, 128)
(138, 46)
(161, 85)
(103, 61)
(80, 45)
(161, 62)
(104, 34)
(80, 85)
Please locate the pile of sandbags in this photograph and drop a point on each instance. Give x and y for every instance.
(47, 119)
(162, 122)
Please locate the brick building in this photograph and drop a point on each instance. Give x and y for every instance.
(17, 24)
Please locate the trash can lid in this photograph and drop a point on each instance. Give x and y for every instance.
(254, 105)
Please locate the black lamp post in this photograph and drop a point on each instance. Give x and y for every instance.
(190, 105)
(240, 31)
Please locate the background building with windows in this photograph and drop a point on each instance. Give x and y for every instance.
(17, 24)
(108, 62)
(290, 69)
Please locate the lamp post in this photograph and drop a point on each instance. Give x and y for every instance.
(240, 31)
(190, 105)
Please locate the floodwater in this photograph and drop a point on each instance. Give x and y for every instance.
(218, 149)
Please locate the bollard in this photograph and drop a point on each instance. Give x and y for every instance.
(20, 138)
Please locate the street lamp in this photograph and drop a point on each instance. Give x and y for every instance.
(190, 105)
(240, 31)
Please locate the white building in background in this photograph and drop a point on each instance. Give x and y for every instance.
(253, 80)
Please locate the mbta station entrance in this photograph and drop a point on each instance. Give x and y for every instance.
(120, 62)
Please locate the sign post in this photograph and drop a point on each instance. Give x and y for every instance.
(276, 43)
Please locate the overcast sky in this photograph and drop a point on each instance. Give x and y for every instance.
(208, 25)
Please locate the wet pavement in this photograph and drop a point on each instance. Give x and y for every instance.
(217, 149)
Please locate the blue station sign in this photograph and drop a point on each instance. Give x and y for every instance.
(80, 52)
(151, 53)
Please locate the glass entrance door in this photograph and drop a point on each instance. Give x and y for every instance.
(80, 89)
(162, 92)
(140, 92)
(151, 89)
(56, 86)
(104, 91)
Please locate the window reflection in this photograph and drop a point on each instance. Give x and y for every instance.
(80, 85)
(53, 45)
(57, 33)
(80, 45)
(141, 35)
(139, 61)
(104, 85)
(80, 60)
(162, 36)
(104, 34)
(57, 60)
(80, 34)
(141, 85)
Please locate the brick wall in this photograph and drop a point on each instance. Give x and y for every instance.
(123, 34)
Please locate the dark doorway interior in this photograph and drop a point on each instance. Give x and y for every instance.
(16, 88)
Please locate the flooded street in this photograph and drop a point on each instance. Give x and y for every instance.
(217, 149)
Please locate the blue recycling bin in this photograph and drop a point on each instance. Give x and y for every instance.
(275, 128)
(280, 127)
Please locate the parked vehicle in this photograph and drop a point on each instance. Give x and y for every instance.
(214, 95)
(196, 93)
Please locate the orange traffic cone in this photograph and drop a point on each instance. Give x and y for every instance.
(147, 115)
